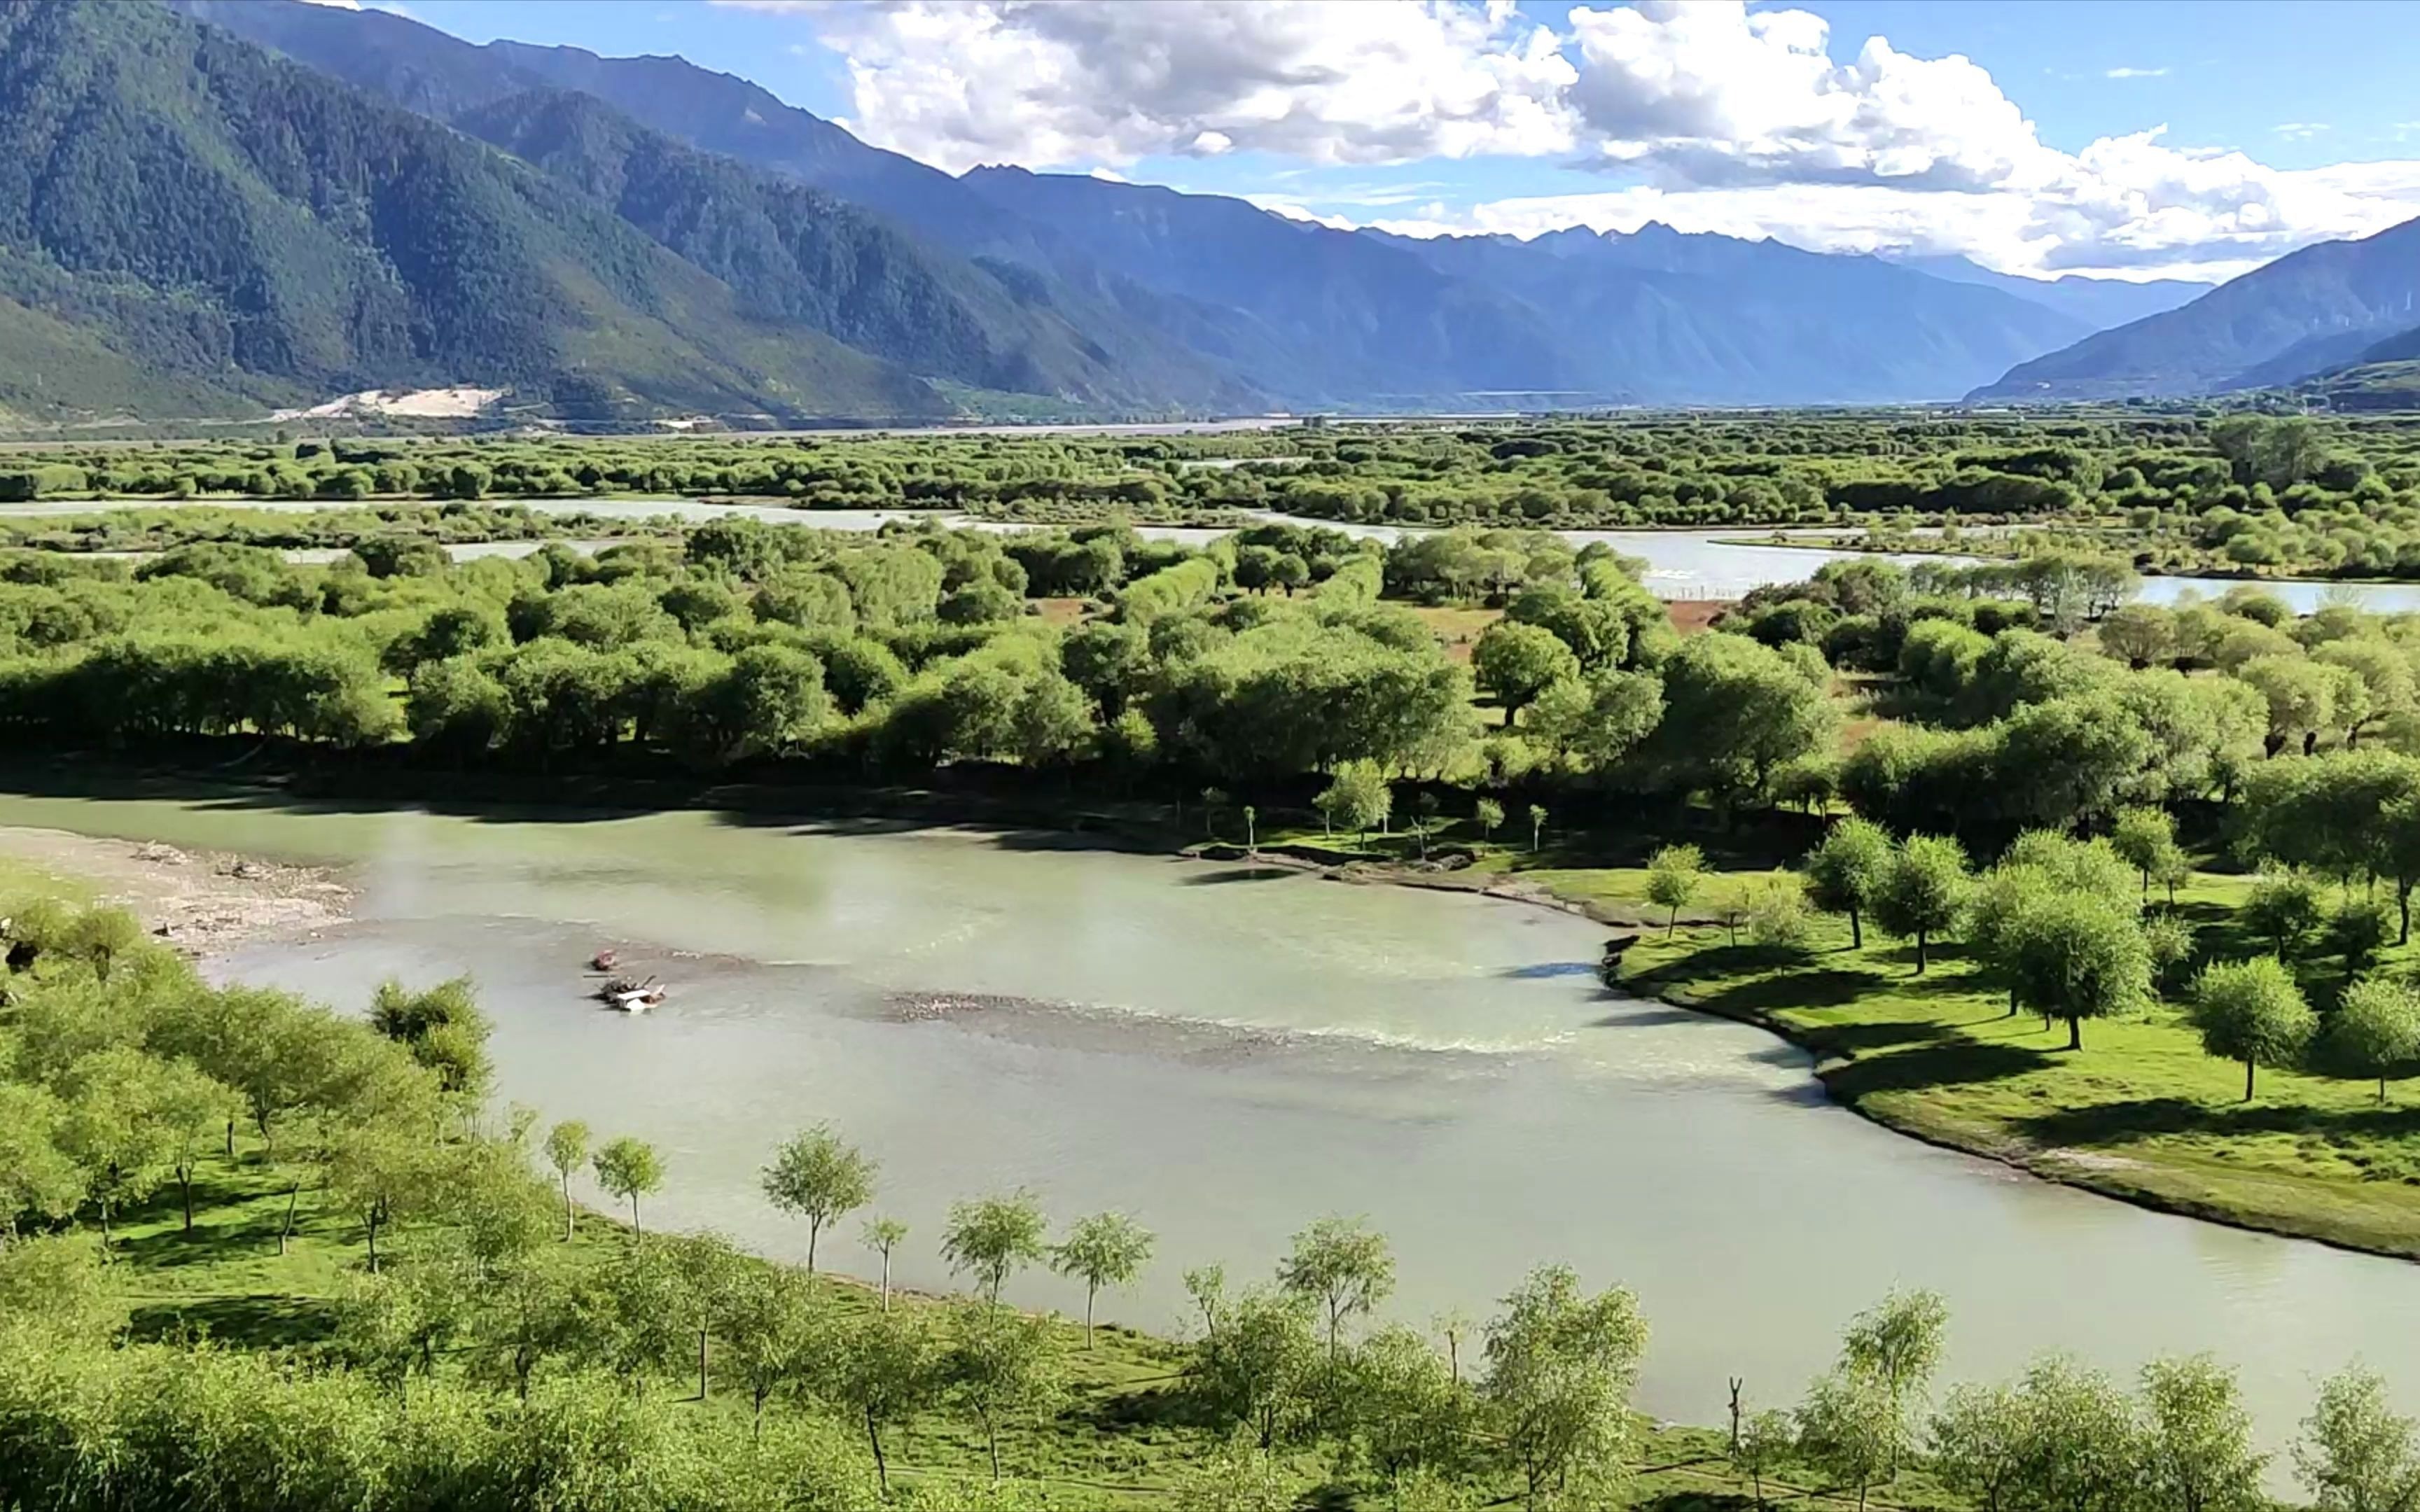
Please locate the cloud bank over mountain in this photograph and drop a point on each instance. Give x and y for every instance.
(1704, 116)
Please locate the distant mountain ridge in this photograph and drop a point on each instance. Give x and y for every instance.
(190, 226)
(1724, 320)
(1309, 316)
(2305, 313)
(2098, 302)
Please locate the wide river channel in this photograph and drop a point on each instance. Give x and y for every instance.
(1228, 1054)
(1681, 564)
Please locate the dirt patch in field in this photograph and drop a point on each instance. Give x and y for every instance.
(1693, 615)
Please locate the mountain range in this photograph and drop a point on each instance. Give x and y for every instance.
(213, 206)
(2307, 313)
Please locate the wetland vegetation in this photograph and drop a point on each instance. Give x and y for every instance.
(2117, 893)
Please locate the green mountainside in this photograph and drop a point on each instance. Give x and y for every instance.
(217, 225)
(795, 254)
(2306, 313)
(793, 250)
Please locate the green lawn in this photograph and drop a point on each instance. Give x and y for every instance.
(1127, 1435)
(2141, 1112)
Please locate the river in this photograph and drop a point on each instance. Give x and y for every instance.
(1228, 1054)
(1681, 564)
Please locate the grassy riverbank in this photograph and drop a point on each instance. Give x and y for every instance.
(2141, 1113)
(1124, 1434)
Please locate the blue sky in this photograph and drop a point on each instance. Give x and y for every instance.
(2141, 139)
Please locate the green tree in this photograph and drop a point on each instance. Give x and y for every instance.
(528, 1314)
(442, 1027)
(1256, 1367)
(388, 1170)
(773, 1331)
(2373, 1034)
(1674, 873)
(1516, 662)
(1735, 712)
(999, 1361)
(1488, 815)
(2356, 1454)
(2197, 1446)
(629, 1170)
(2060, 1437)
(2281, 908)
(885, 1369)
(128, 1123)
(1924, 891)
(1404, 1409)
(1849, 1427)
(992, 1238)
(1899, 1344)
(1108, 1249)
(820, 1177)
(1766, 1442)
(2147, 840)
(1344, 1265)
(2073, 957)
(36, 1176)
(1847, 872)
(884, 1235)
(1357, 798)
(2252, 1011)
(566, 1150)
(2357, 931)
(1560, 1368)
(1537, 826)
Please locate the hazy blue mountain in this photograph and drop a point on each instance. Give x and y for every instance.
(1715, 320)
(235, 226)
(2098, 302)
(2305, 313)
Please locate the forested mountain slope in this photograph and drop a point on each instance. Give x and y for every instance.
(875, 280)
(2305, 313)
(235, 225)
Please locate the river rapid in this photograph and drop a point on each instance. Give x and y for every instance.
(1228, 1054)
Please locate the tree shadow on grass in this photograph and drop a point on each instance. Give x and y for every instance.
(1149, 1409)
(1949, 1060)
(251, 1322)
(1822, 988)
(2118, 1124)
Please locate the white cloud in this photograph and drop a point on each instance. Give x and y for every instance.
(1712, 103)
(1701, 112)
(2300, 130)
(337, 4)
(1047, 83)
(1709, 93)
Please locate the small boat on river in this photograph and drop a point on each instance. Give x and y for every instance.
(602, 961)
